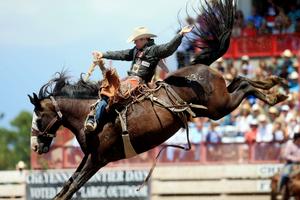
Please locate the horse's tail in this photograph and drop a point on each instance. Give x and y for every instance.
(215, 25)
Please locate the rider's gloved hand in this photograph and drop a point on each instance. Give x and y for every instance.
(186, 29)
(97, 55)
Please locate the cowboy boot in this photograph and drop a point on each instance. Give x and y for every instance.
(90, 123)
(95, 115)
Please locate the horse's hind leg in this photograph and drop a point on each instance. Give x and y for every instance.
(266, 84)
(235, 84)
(270, 99)
(246, 89)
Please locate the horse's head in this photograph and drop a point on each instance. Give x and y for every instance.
(46, 120)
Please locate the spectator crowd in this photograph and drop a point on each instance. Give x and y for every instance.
(253, 121)
(268, 17)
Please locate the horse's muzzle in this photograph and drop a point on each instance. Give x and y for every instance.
(38, 147)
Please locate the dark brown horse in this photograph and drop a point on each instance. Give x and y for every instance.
(149, 125)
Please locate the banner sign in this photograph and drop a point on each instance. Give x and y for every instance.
(105, 185)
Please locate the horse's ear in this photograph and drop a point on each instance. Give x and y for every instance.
(34, 100)
(31, 99)
(35, 97)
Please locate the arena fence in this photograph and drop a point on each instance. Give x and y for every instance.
(176, 182)
(216, 182)
(202, 153)
(258, 47)
(12, 185)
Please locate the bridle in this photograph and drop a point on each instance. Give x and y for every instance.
(56, 119)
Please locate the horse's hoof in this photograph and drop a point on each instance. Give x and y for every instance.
(281, 97)
(279, 80)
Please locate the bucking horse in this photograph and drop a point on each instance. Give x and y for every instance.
(196, 90)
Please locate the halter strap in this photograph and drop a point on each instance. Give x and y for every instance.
(58, 117)
(54, 102)
(45, 132)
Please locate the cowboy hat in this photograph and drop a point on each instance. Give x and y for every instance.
(287, 53)
(273, 110)
(245, 58)
(293, 75)
(140, 32)
(262, 118)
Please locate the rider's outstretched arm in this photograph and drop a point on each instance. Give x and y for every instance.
(165, 50)
(119, 55)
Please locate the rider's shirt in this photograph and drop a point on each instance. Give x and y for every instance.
(144, 61)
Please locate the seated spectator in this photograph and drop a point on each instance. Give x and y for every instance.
(247, 70)
(179, 138)
(293, 82)
(236, 31)
(264, 132)
(231, 69)
(273, 113)
(264, 30)
(286, 67)
(239, 24)
(256, 110)
(249, 30)
(20, 166)
(260, 71)
(291, 127)
(274, 65)
(255, 18)
(282, 23)
(294, 13)
(271, 14)
(213, 137)
(239, 18)
(243, 120)
(283, 112)
(293, 102)
(278, 131)
(250, 136)
(196, 135)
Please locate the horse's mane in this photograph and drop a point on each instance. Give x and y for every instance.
(60, 86)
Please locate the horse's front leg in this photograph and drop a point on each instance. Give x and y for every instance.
(90, 167)
(73, 177)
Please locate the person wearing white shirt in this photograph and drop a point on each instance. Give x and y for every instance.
(264, 132)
